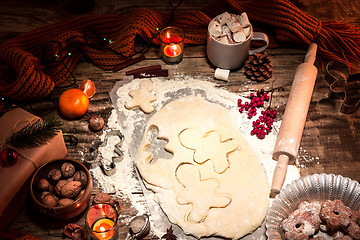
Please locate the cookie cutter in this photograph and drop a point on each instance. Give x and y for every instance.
(94, 158)
(344, 85)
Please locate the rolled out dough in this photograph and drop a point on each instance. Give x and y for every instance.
(213, 185)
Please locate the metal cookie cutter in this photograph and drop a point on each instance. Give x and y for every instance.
(94, 158)
(344, 84)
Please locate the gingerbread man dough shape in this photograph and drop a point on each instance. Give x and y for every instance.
(142, 97)
(210, 147)
(189, 176)
(244, 180)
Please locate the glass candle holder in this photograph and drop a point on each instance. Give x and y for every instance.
(172, 45)
(101, 222)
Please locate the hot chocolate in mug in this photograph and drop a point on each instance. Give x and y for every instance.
(232, 56)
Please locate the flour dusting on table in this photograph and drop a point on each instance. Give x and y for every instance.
(132, 124)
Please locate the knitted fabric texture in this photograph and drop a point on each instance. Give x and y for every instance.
(30, 78)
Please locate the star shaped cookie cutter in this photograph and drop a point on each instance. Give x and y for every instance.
(94, 158)
(344, 84)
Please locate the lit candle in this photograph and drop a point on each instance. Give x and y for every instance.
(103, 228)
(101, 222)
(172, 50)
(172, 45)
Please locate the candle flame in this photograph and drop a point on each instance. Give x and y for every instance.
(168, 35)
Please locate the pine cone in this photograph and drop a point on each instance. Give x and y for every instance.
(258, 67)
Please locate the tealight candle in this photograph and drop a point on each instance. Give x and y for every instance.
(101, 222)
(172, 45)
(103, 228)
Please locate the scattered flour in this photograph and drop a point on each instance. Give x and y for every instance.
(132, 123)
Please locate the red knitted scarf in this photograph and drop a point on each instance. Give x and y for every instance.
(31, 78)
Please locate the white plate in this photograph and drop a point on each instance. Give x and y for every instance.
(317, 187)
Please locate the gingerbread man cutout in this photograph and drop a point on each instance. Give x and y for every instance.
(209, 147)
(200, 193)
(142, 97)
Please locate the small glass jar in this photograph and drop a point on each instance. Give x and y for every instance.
(172, 45)
(102, 222)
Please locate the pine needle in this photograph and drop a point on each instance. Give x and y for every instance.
(35, 134)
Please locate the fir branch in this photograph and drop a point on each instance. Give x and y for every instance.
(35, 134)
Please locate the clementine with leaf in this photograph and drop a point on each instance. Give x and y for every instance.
(73, 103)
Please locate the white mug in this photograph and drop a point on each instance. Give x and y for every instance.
(232, 56)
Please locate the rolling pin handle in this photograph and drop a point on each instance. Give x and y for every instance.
(310, 56)
(279, 175)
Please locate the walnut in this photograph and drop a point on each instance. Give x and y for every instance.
(67, 170)
(71, 189)
(102, 198)
(54, 175)
(50, 200)
(42, 195)
(59, 185)
(44, 185)
(74, 231)
(81, 177)
(65, 201)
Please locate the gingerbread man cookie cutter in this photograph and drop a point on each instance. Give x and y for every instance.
(94, 158)
(343, 84)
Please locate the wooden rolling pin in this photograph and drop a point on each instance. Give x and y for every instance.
(292, 126)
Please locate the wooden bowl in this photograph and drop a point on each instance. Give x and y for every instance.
(69, 211)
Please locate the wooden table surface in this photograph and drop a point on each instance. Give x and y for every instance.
(330, 142)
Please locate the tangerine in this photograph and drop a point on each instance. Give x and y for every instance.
(88, 87)
(73, 103)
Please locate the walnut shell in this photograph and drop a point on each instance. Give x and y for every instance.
(42, 195)
(81, 177)
(74, 231)
(67, 170)
(102, 198)
(71, 189)
(50, 200)
(65, 201)
(59, 185)
(54, 175)
(45, 185)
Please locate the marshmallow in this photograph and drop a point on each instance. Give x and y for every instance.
(230, 28)
(215, 29)
(239, 37)
(222, 74)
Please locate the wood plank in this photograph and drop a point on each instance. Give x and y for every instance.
(330, 139)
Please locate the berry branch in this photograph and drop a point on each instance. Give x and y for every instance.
(263, 125)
